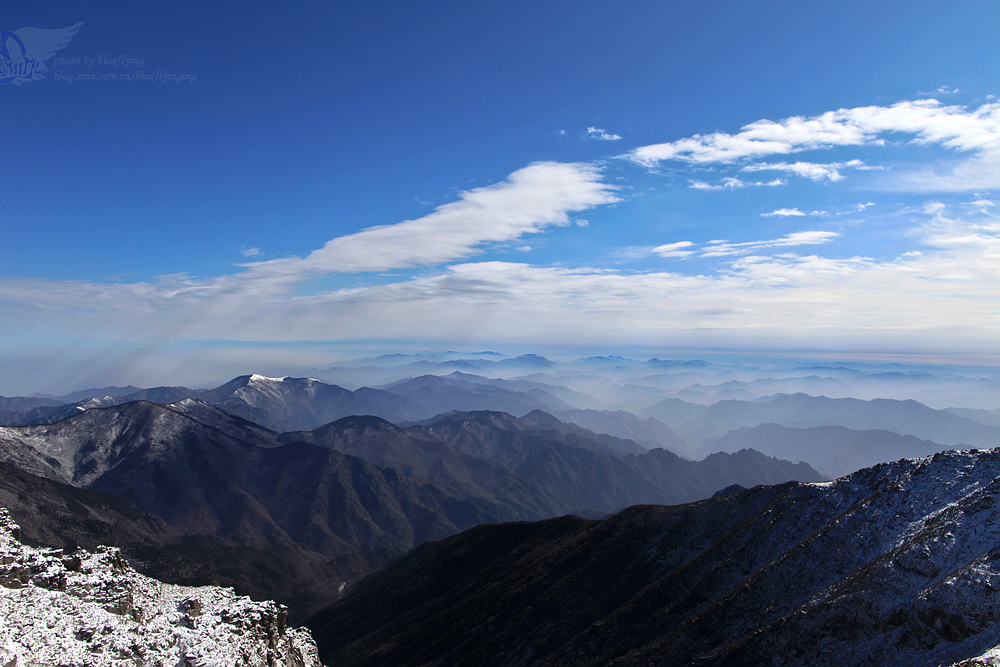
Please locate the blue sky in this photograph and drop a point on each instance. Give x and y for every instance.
(645, 178)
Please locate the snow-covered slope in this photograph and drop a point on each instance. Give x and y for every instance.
(895, 565)
(94, 609)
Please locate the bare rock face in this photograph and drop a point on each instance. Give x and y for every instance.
(93, 609)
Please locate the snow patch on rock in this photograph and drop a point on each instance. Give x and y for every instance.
(93, 609)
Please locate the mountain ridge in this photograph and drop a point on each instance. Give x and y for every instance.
(310, 499)
(888, 566)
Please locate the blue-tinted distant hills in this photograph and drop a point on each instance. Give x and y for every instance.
(835, 451)
(803, 411)
(341, 499)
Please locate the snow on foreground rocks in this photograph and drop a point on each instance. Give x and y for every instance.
(94, 610)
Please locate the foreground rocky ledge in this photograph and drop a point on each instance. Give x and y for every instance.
(93, 609)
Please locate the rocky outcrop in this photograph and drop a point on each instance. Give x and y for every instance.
(93, 609)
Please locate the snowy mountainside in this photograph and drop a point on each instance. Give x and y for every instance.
(80, 450)
(93, 609)
(898, 564)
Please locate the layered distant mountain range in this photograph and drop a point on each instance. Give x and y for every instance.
(295, 489)
(687, 428)
(191, 491)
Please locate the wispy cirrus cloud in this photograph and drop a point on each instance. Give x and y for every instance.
(725, 248)
(946, 232)
(732, 183)
(783, 212)
(812, 170)
(180, 306)
(942, 90)
(678, 249)
(792, 212)
(928, 121)
(531, 199)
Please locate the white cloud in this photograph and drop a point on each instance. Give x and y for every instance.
(928, 121)
(794, 270)
(940, 298)
(805, 238)
(251, 252)
(267, 295)
(533, 198)
(811, 170)
(948, 233)
(783, 212)
(674, 249)
(943, 90)
(598, 133)
(731, 183)
(726, 249)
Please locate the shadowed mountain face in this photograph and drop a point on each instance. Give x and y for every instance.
(343, 499)
(545, 421)
(414, 454)
(308, 507)
(67, 517)
(649, 432)
(594, 476)
(543, 467)
(502, 437)
(893, 565)
(21, 409)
